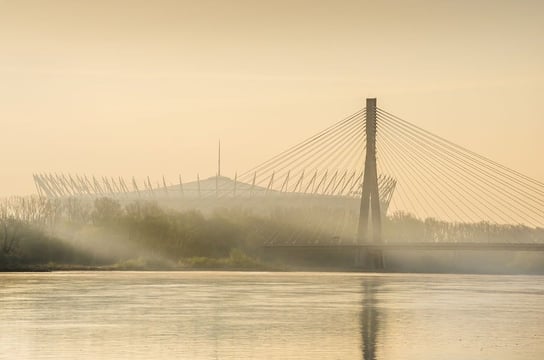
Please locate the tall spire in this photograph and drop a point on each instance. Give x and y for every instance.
(219, 160)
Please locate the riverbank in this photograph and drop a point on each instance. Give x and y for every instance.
(263, 268)
(61, 267)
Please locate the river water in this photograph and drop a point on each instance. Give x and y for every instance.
(231, 315)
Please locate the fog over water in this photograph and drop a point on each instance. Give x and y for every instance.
(230, 315)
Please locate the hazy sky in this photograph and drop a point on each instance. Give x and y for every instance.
(123, 88)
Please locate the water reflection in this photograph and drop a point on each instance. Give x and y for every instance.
(273, 316)
(370, 317)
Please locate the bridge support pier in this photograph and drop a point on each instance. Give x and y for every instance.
(370, 224)
(370, 259)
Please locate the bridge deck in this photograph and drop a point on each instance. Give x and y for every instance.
(423, 246)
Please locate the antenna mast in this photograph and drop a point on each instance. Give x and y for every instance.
(219, 160)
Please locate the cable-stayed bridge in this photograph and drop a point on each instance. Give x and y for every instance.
(348, 185)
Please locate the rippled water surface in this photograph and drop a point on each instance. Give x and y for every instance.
(226, 315)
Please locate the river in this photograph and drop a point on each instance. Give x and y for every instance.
(251, 315)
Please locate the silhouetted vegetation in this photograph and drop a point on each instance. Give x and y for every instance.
(141, 235)
(405, 227)
(138, 235)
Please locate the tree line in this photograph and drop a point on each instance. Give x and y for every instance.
(36, 230)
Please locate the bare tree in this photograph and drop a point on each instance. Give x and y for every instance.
(8, 231)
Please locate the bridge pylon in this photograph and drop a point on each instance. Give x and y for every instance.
(370, 222)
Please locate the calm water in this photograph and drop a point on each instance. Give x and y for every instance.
(225, 315)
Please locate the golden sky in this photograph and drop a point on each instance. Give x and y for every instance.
(123, 88)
